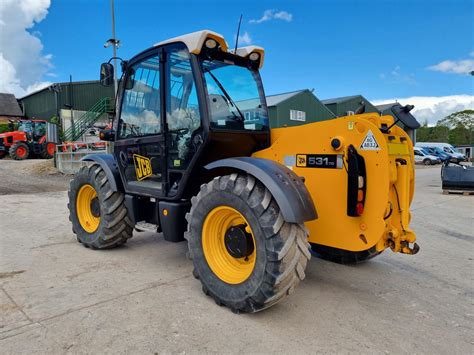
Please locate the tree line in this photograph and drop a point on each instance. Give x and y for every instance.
(456, 129)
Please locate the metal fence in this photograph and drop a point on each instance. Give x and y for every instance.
(68, 156)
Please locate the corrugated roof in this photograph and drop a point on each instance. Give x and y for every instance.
(273, 100)
(337, 100)
(61, 84)
(385, 107)
(9, 106)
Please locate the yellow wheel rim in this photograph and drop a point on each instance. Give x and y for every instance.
(226, 267)
(89, 222)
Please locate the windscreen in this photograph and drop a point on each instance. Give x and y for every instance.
(235, 97)
(25, 126)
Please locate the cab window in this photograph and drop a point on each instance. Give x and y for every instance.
(182, 108)
(140, 114)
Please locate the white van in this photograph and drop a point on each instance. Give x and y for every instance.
(446, 147)
(422, 158)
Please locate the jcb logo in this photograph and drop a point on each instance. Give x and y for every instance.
(142, 167)
(301, 160)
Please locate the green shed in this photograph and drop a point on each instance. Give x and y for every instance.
(78, 96)
(296, 108)
(341, 106)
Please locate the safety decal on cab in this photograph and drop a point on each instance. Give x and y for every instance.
(142, 166)
(369, 142)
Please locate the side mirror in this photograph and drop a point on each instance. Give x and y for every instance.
(107, 135)
(106, 74)
(130, 82)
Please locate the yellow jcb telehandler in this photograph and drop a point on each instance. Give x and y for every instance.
(195, 159)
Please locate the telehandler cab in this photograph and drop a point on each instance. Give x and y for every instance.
(194, 158)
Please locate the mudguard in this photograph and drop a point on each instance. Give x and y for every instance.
(286, 187)
(109, 164)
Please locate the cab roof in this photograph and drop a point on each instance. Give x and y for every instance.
(195, 41)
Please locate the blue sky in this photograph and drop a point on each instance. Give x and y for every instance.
(381, 49)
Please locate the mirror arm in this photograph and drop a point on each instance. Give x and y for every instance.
(123, 63)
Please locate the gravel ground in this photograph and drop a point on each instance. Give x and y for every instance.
(30, 176)
(58, 297)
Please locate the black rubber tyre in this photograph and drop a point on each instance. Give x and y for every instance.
(115, 226)
(343, 256)
(3, 155)
(18, 147)
(427, 162)
(44, 151)
(282, 250)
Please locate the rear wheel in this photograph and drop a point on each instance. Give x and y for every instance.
(98, 214)
(244, 253)
(3, 155)
(427, 162)
(19, 151)
(343, 256)
(47, 150)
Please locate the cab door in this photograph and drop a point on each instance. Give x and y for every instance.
(140, 141)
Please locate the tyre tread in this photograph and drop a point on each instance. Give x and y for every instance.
(286, 243)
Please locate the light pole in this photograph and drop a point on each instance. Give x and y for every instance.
(115, 43)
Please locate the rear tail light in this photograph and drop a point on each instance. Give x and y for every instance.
(356, 182)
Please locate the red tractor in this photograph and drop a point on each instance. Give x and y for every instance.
(29, 140)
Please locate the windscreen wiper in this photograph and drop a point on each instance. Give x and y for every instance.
(226, 94)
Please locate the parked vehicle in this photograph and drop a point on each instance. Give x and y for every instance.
(421, 157)
(456, 155)
(438, 152)
(29, 140)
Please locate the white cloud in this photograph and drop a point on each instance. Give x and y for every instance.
(463, 66)
(433, 108)
(273, 14)
(22, 62)
(283, 15)
(245, 38)
(397, 77)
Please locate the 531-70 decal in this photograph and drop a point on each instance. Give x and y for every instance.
(326, 161)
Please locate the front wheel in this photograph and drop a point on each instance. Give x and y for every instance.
(244, 253)
(19, 151)
(98, 214)
(427, 162)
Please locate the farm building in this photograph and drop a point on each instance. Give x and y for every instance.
(342, 106)
(9, 107)
(76, 96)
(295, 108)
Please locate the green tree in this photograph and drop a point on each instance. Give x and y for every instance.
(461, 127)
(461, 118)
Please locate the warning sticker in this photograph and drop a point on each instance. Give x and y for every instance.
(369, 142)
